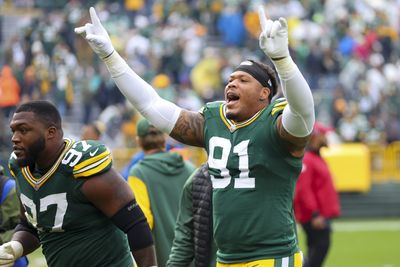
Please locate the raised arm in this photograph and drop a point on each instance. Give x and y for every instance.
(297, 120)
(161, 113)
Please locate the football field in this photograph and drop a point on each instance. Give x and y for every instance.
(355, 243)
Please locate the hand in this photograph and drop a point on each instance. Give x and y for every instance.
(10, 252)
(96, 36)
(274, 36)
(318, 222)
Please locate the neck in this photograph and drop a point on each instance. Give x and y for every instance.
(153, 151)
(50, 157)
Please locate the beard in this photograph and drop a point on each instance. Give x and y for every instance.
(32, 153)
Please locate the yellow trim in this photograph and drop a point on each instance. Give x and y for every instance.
(38, 182)
(283, 103)
(258, 263)
(142, 198)
(232, 125)
(91, 160)
(274, 110)
(298, 259)
(93, 170)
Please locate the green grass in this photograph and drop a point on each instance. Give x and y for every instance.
(355, 243)
(367, 243)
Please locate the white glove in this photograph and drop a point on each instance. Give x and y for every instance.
(10, 252)
(274, 36)
(96, 36)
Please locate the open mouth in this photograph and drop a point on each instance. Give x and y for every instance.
(231, 98)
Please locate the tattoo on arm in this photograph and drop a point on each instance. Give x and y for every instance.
(189, 128)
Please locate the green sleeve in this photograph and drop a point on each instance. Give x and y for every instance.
(182, 251)
(9, 210)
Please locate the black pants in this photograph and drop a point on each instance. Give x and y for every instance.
(318, 242)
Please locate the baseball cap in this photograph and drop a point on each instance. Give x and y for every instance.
(319, 128)
(144, 128)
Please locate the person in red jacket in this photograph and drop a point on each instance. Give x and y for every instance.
(316, 201)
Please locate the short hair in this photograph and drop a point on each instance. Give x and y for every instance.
(44, 110)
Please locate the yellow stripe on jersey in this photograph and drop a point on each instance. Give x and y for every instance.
(278, 107)
(93, 168)
(85, 163)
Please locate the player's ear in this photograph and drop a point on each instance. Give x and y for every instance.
(51, 132)
(264, 94)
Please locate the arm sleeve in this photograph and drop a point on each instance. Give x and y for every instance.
(299, 115)
(160, 112)
(182, 251)
(142, 197)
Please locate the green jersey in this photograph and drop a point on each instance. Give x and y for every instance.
(253, 177)
(72, 231)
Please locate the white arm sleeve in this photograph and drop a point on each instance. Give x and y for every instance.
(160, 112)
(298, 116)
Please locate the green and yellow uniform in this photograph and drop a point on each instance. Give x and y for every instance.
(253, 177)
(72, 231)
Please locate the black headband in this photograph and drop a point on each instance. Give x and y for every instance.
(256, 71)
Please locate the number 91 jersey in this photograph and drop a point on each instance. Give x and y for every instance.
(253, 177)
(67, 222)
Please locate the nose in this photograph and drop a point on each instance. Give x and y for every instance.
(15, 137)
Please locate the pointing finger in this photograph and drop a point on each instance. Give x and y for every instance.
(93, 17)
(262, 17)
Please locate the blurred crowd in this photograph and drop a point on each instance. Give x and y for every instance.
(347, 49)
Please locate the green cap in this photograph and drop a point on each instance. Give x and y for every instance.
(143, 127)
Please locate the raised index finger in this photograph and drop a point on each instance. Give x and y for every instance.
(93, 17)
(262, 17)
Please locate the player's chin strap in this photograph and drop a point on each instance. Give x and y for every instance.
(161, 113)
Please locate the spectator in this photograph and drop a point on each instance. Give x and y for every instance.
(157, 181)
(9, 91)
(316, 201)
(9, 212)
(93, 131)
(193, 239)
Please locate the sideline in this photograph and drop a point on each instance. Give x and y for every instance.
(366, 226)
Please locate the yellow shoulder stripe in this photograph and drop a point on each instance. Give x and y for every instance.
(94, 168)
(90, 161)
(92, 165)
(278, 107)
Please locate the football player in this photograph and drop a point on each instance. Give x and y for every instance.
(254, 145)
(73, 202)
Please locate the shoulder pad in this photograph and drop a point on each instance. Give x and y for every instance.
(88, 158)
(278, 105)
(12, 164)
(210, 106)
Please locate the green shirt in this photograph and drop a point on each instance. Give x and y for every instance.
(72, 231)
(164, 175)
(253, 177)
(9, 214)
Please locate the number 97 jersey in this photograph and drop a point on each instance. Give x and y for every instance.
(71, 230)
